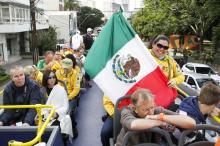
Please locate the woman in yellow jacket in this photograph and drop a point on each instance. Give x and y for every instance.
(107, 128)
(69, 76)
(167, 64)
(75, 68)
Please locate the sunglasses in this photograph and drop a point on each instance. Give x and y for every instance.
(162, 46)
(51, 77)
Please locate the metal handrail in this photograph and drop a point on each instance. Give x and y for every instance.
(1, 92)
(41, 128)
(181, 91)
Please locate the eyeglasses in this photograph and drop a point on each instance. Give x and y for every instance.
(162, 46)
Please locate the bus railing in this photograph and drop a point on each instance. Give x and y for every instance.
(41, 126)
(1, 92)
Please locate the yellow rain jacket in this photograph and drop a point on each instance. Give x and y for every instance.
(108, 105)
(56, 65)
(73, 87)
(78, 74)
(39, 77)
(170, 68)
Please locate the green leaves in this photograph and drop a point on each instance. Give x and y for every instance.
(196, 17)
(89, 18)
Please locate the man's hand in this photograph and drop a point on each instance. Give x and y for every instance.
(153, 117)
(25, 124)
(1, 123)
(171, 83)
(215, 112)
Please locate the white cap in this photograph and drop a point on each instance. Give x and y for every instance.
(89, 29)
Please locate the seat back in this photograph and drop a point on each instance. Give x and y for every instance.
(156, 130)
(117, 117)
(184, 134)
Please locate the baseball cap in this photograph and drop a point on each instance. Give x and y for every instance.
(67, 63)
(89, 29)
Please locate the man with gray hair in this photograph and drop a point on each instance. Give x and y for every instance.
(143, 114)
(20, 91)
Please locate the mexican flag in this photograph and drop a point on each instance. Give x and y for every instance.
(119, 63)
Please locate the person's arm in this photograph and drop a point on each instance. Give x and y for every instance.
(181, 121)
(108, 105)
(35, 98)
(129, 121)
(141, 124)
(76, 87)
(178, 76)
(7, 115)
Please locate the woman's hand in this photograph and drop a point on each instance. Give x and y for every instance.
(171, 83)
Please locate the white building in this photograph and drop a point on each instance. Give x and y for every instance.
(108, 7)
(15, 27)
(54, 5)
(65, 23)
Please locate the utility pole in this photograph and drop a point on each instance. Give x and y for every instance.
(34, 49)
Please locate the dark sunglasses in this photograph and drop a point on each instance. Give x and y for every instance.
(51, 77)
(162, 46)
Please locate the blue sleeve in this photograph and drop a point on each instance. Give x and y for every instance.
(7, 115)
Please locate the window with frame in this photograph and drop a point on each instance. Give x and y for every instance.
(186, 77)
(190, 67)
(5, 14)
(191, 81)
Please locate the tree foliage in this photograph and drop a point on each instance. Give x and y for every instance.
(155, 18)
(47, 40)
(71, 5)
(89, 17)
(196, 17)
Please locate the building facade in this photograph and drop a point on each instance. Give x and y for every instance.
(108, 7)
(54, 5)
(15, 27)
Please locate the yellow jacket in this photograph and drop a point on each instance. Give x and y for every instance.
(56, 65)
(78, 74)
(108, 105)
(73, 87)
(39, 77)
(170, 68)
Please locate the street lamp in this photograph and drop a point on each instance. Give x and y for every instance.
(86, 18)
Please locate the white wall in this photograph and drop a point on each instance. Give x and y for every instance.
(16, 27)
(3, 41)
(60, 20)
(53, 5)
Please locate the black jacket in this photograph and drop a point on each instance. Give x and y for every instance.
(88, 41)
(26, 95)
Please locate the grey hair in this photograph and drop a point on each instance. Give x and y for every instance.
(144, 94)
(15, 68)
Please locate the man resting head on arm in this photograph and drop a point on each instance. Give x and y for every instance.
(143, 114)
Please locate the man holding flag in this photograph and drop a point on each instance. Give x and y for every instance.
(123, 64)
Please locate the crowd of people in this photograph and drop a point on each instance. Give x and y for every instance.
(58, 78)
